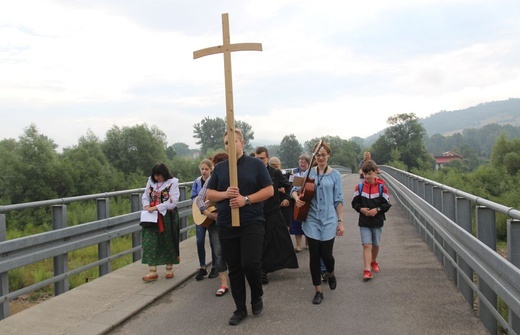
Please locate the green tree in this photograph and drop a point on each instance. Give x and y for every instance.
(210, 134)
(37, 173)
(8, 163)
(343, 151)
(274, 150)
(135, 149)
(382, 150)
(180, 149)
(185, 169)
(90, 169)
(360, 142)
(290, 150)
(247, 132)
(512, 163)
(500, 149)
(505, 154)
(406, 135)
(470, 160)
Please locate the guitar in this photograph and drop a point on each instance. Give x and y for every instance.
(199, 218)
(307, 190)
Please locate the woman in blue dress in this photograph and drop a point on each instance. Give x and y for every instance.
(324, 220)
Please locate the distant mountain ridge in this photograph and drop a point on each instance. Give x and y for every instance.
(450, 122)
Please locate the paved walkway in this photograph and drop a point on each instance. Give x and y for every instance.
(411, 295)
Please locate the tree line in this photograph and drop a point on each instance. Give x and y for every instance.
(32, 169)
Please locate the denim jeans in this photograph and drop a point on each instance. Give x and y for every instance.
(219, 264)
(370, 235)
(200, 232)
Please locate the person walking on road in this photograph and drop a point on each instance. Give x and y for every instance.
(296, 226)
(324, 220)
(218, 264)
(278, 250)
(161, 242)
(242, 246)
(371, 201)
(205, 167)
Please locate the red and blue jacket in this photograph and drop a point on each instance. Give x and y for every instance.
(371, 196)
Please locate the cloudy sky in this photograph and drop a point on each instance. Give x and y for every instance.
(328, 67)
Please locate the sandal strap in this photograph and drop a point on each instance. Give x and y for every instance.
(222, 290)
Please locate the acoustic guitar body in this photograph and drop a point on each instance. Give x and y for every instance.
(306, 194)
(200, 219)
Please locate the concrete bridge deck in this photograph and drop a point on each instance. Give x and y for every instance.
(411, 295)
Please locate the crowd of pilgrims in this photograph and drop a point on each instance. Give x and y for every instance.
(233, 253)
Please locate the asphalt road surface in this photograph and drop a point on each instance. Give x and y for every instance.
(411, 295)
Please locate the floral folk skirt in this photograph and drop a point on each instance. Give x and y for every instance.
(161, 248)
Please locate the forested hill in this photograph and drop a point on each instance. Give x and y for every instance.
(450, 122)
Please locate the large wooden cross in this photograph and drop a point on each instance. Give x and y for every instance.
(226, 49)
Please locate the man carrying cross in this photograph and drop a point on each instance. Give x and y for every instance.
(238, 186)
(242, 246)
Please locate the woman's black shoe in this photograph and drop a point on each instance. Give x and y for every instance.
(237, 317)
(332, 282)
(213, 273)
(318, 297)
(201, 274)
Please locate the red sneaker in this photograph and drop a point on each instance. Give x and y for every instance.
(367, 275)
(374, 266)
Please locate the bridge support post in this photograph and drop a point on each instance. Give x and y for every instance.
(436, 203)
(428, 193)
(428, 196)
(420, 189)
(486, 233)
(135, 206)
(513, 254)
(103, 212)
(448, 209)
(415, 184)
(463, 219)
(61, 262)
(4, 278)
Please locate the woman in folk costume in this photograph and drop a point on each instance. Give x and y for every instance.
(161, 242)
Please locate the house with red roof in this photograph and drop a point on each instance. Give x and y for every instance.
(445, 158)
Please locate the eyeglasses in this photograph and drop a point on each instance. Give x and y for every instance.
(321, 155)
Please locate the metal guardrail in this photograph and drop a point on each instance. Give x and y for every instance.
(445, 218)
(62, 240)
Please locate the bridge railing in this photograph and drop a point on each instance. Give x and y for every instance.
(62, 240)
(446, 218)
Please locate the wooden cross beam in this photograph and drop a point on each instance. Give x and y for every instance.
(226, 49)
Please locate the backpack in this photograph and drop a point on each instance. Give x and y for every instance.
(360, 189)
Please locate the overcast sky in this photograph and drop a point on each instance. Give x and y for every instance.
(338, 68)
